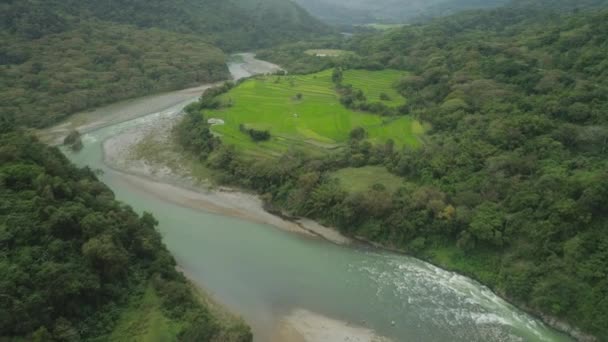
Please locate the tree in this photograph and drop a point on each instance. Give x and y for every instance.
(357, 134)
(337, 76)
(106, 255)
(7, 122)
(487, 225)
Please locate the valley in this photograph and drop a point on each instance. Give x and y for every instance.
(367, 171)
(292, 265)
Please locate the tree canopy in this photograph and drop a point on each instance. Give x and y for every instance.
(71, 256)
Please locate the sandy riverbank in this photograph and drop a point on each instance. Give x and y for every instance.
(119, 112)
(251, 66)
(179, 187)
(305, 326)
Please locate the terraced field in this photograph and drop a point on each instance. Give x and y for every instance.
(374, 83)
(313, 121)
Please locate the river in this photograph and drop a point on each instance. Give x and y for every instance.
(271, 276)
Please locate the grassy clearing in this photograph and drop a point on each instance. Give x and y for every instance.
(145, 321)
(327, 52)
(314, 123)
(361, 179)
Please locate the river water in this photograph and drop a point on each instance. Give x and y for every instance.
(264, 273)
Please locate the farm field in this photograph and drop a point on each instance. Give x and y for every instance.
(315, 122)
(360, 179)
(374, 83)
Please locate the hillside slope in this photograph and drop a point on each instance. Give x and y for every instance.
(229, 24)
(75, 262)
(343, 12)
(510, 185)
(44, 80)
(60, 57)
(517, 101)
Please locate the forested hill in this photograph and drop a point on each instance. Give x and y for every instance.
(59, 57)
(511, 183)
(74, 260)
(518, 103)
(349, 12)
(357, 12)
(229, 24)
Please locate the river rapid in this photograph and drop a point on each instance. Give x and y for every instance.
(297, 287)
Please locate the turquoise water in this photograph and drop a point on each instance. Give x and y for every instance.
(263, 273)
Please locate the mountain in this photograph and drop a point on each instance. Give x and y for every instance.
(357, 12)
(343, 12)
(519, 148)
(59, 57)
(229, 24)
(76, 263)
(511, 183)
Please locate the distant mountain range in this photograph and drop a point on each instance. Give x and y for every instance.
(357, 12)
(342, 12)
(229, 24)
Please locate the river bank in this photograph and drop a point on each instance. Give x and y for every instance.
(305, 326)
(170, 181)
(288, 273)
(118, 152)
(148, 151)
(167, 177)
(119, 112)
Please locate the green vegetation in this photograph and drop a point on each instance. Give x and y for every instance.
(229, 24)
(361, 179)
(60, 57)
(313, 121)
(357, 12)
(298, 59)
(73, 140)
(510, 185)
(518, 150)
(143, 320)
(46, 79)
(78, 265)
(375, 84)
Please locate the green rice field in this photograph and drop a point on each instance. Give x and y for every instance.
(316, 122)
(373, 83)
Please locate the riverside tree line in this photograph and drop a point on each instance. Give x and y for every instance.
(511, 183)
